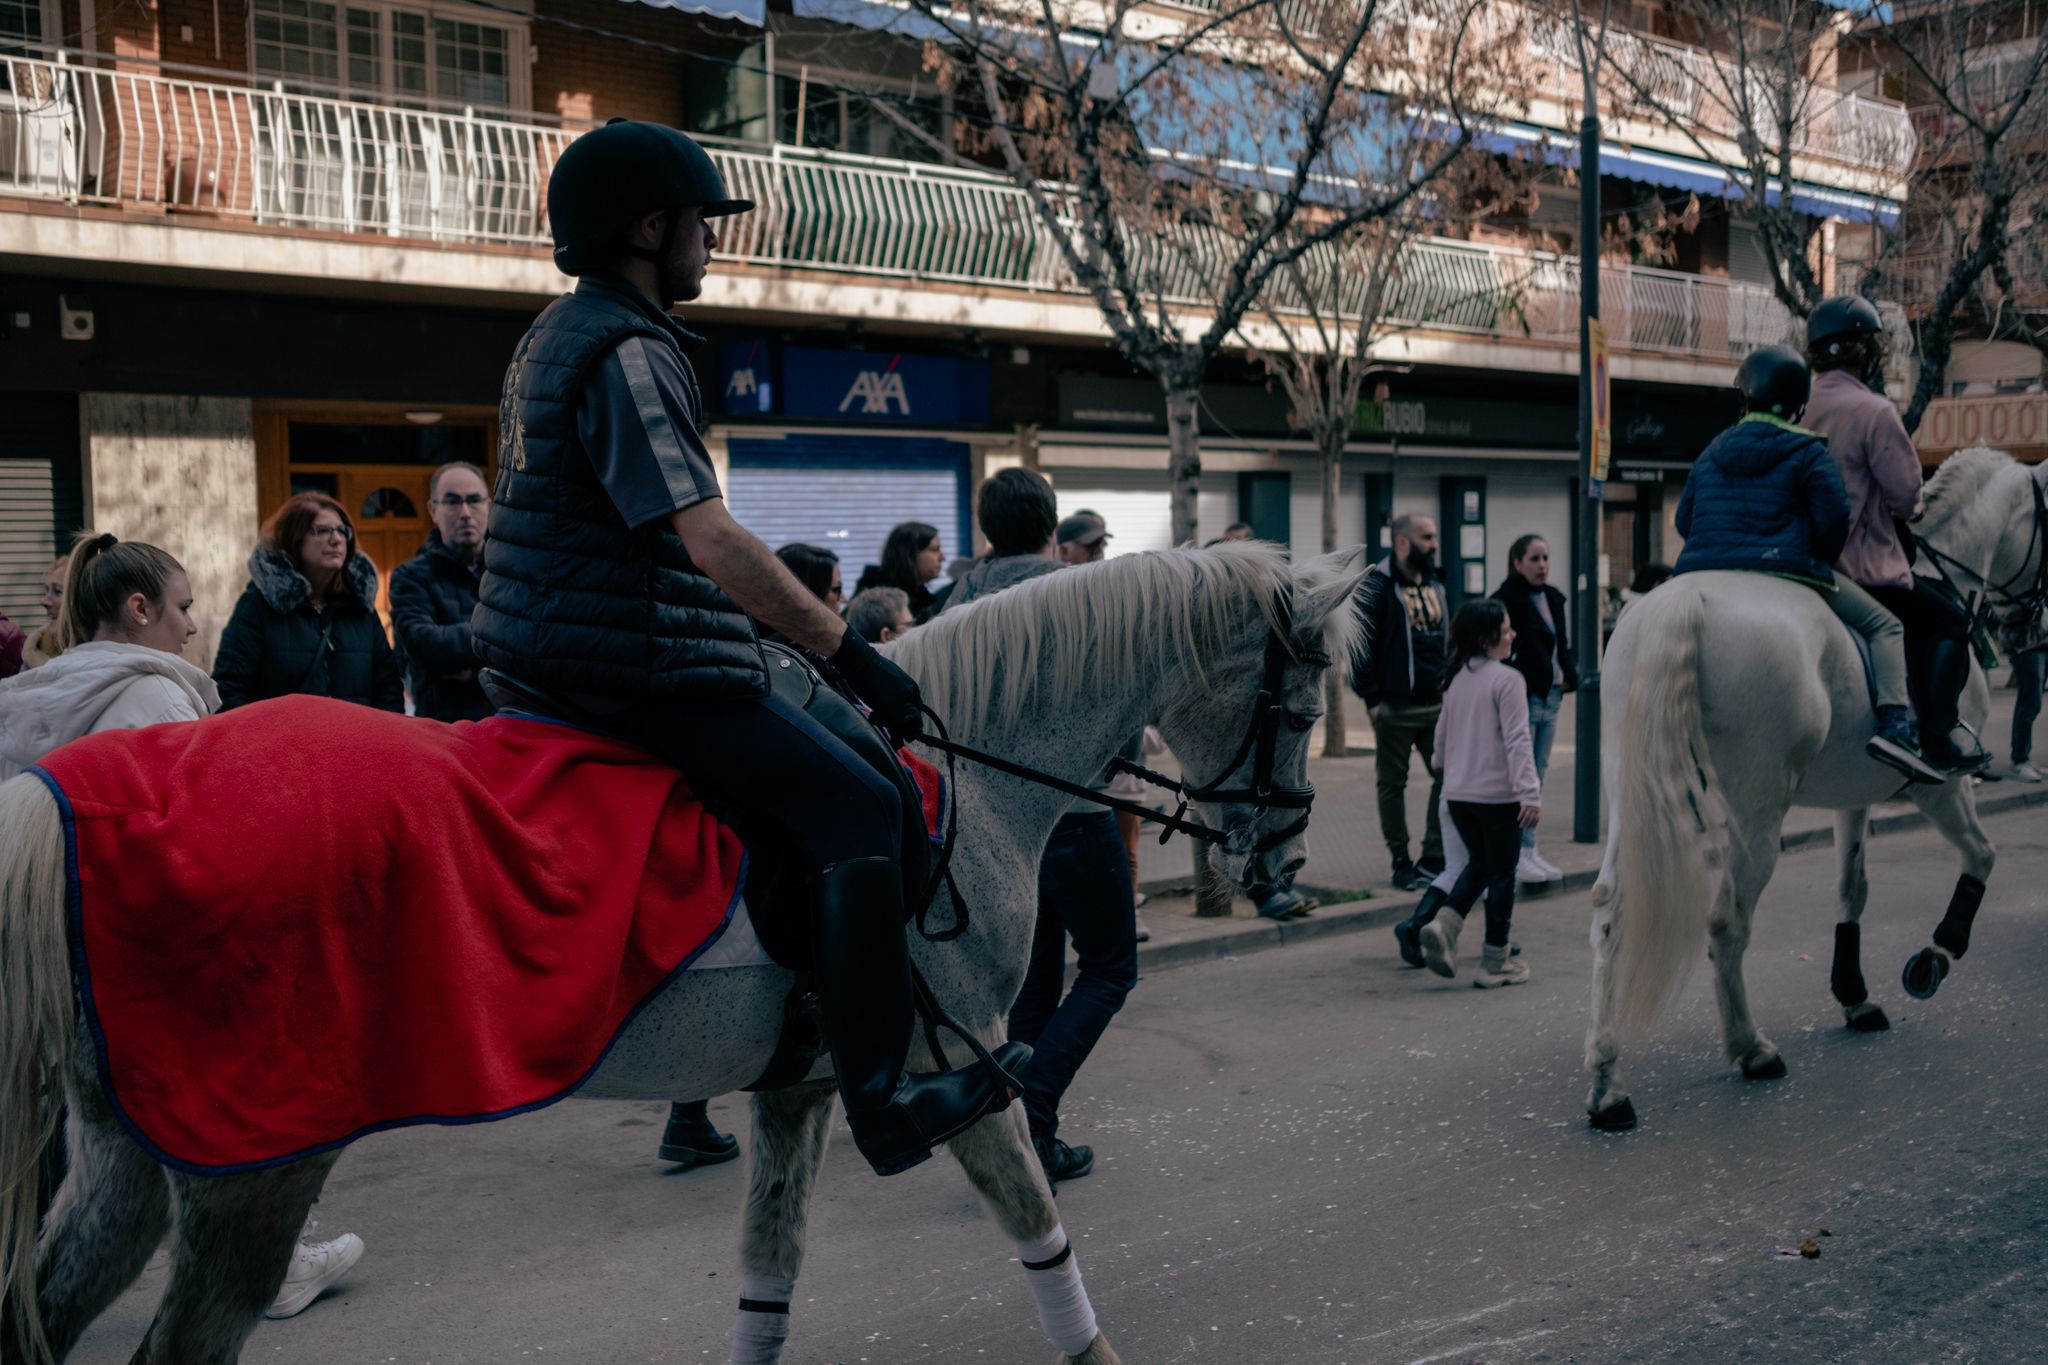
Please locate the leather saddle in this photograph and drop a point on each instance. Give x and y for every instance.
(778, 884)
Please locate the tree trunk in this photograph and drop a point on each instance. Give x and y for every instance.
(1213, 894)
(1335, 742)
(1184, 458)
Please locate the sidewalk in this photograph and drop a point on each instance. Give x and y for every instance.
(1349, 865)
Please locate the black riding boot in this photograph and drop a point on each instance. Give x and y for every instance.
(1948, 746)
(863, 966)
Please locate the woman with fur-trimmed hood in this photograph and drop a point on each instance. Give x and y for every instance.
(307, 622)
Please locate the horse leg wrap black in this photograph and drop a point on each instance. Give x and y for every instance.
(1953, 933)
(1845, 978)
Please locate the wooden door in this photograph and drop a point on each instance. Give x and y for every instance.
(389, 504)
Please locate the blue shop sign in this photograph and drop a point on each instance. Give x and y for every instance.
(884, 386)
(746, 378)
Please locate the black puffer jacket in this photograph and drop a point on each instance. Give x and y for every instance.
(432, 596)
(277, 643)
(1535, 646)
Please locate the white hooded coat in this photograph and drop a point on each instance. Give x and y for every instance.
(99, 685)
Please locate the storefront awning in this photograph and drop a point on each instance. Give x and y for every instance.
(753, 12)
(882, 16)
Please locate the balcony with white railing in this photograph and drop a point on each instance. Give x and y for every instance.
(171, 150)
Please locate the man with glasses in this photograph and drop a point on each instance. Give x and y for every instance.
(433, 594)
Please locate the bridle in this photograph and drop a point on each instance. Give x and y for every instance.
(1259, 747)
(2035, 597)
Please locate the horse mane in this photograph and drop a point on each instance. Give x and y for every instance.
(1955, 495)
(981, 661)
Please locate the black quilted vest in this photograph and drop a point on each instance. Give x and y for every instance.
(572, 599)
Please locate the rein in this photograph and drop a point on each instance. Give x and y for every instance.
(1259, 747)
(2034, 598)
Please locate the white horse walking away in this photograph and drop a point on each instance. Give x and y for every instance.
(1057, 673)
(1735, 697)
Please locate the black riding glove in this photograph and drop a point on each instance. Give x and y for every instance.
(889, 692)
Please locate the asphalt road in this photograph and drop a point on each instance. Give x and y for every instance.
(1313, 1155)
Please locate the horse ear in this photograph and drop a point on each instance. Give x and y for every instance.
(1327, 584)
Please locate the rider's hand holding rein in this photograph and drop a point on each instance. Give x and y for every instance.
(752, 576)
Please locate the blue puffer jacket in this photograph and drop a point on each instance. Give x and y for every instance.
(1764, 496)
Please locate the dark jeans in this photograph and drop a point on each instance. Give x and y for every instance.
(775, 760)
(1084, 890)
(1494, 840)
(2028, 672)
(1399, 730)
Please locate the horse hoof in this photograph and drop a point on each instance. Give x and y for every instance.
(1771, 1068)
(1615, 1118)
(1868, 1018)
(1924, 973)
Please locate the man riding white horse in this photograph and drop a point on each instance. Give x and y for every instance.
(616, 580)
(1845, 343)
(1764, 497)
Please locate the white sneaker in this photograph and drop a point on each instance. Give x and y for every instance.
(1551, 871)
(1144, 930)
(315, 1267)
(1529, 868)
(2025, 772)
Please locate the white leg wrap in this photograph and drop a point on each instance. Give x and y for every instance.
(1055, 1277)
(763, 1321)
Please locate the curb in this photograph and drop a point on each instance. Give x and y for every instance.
(1357, 916)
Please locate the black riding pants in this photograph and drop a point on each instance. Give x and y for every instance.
(776, 761)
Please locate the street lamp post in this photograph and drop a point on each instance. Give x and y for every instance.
(1586, 555)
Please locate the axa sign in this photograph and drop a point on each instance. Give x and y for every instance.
(878, 393)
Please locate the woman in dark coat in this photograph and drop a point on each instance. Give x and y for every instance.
(1543, 656)
(911, 557)
(308, 621)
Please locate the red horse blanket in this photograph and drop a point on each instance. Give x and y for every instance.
(305, 920)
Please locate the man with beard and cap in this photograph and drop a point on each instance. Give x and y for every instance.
(1398, 673)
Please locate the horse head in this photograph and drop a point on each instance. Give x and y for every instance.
(1986, 529)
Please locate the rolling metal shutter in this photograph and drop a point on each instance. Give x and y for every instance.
(845, 493)
(28, 519)
(1136, 505)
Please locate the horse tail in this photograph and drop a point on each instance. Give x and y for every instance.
(35, 1036)
(1671, 823)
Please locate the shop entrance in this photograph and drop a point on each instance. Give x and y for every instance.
(375, 464)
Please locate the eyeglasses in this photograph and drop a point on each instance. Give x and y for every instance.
(333, 532)
(451, 502)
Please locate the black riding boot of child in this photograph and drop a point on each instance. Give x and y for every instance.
(864, 993)
(1946, 743)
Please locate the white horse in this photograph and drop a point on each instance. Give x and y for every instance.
(1056, 673)
(1733, 698)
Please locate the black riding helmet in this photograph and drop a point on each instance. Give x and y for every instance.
(1774, 380)
(1842, 317)
(608, 178)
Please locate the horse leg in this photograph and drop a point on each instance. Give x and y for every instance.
(1953, 809)
(997, 1156)
(229, 1254)
(1845, 977)
(790, 1127)
(1608, 1106)
(1751, 862)
(110, 1213)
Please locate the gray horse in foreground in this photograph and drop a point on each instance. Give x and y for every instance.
(1735, 697)
(1056, 673)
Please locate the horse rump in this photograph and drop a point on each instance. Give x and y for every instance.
(35, 1040)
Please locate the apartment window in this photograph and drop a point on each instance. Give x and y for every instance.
(21, 24)
(389, 52)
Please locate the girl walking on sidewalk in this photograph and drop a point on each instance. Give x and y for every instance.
(1488, 761)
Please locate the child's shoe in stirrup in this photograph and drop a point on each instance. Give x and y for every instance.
(1897, 742)
(1499, 967)
(1439, 940)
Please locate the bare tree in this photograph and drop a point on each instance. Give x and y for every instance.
(1973, 72)
(1176, 169)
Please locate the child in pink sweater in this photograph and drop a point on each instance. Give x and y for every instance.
(1484, 750)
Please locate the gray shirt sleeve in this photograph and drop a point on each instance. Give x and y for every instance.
(639, 418)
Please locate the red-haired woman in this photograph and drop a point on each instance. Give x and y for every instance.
(307, 622)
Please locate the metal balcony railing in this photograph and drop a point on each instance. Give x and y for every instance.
(87, 134)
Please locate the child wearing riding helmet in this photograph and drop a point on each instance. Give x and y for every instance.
(1766, 497)
(1487, 755)
(127, 615)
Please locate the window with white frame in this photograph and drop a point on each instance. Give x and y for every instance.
(26, 22)
(447, 55)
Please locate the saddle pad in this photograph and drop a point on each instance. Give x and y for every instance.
(305, 920)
